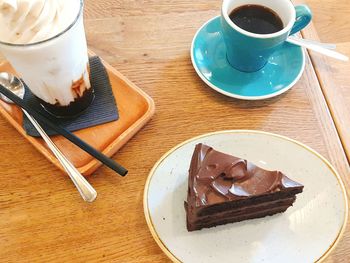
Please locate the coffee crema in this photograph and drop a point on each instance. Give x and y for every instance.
(256, 19)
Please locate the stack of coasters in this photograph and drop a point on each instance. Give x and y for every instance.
(103, 109)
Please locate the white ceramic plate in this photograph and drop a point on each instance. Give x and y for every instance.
(306, 232)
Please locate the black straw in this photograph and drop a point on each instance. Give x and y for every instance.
(65, 133)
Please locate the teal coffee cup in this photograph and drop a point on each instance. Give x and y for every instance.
(249, 52)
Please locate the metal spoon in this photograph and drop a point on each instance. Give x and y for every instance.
(15, 85)
(317, 43)
(318, 47)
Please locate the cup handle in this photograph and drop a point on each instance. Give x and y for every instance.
(303, 18)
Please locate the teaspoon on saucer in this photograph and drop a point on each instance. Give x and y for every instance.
(15, 85)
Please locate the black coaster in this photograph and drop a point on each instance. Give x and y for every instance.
(103, 109)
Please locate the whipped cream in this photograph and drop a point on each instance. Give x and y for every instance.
(30, 21)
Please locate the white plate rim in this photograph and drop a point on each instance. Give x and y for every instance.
(233, 95)
(167, 251)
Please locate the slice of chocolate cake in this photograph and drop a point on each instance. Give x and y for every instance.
(224, 189)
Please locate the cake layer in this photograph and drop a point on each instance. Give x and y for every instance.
(229, 205)
(193, 218)
(222, 221)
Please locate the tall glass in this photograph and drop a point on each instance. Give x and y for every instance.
(56, 69)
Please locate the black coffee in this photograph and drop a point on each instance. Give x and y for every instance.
(256, 19)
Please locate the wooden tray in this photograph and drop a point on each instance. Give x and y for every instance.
(135, 109)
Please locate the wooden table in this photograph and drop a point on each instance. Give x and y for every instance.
(42, 217)
(332, 26)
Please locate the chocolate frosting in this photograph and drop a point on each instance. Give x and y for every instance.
(216, 177)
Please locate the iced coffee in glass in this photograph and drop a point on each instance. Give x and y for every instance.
(44, 40)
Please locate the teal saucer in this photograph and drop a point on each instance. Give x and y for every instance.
(208, 54)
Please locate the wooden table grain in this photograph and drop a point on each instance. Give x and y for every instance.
(42, 217)
(332, 25)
